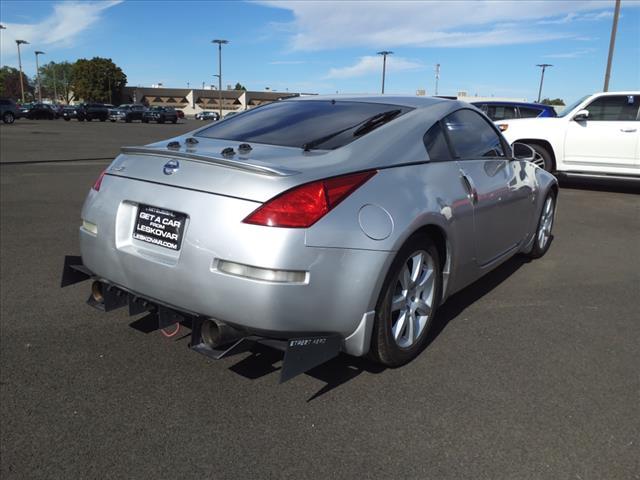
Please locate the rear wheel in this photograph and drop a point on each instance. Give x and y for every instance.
(543, 237)
(407, 303)
(542, 157)
(175, 120)
(8, 117)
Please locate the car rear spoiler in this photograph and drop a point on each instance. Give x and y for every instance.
(254, 166)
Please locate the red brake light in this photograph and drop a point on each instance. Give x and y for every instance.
(303, 206)
(96, 186)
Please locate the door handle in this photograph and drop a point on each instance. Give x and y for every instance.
(628, 130)
(472, 192)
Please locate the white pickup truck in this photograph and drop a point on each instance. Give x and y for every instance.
(597, 136)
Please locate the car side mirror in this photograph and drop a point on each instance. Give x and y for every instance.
(581, 116)
(522, 151)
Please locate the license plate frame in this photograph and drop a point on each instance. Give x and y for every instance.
(159, 226)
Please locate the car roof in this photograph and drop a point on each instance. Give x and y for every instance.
(400, 100)
(517, 104)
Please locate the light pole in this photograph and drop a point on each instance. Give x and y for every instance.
(612, 44)
(384, 54)
(220, 43)
(55, 87)
(544, 67)
(18, 43)
(38, 52)
(437, 76)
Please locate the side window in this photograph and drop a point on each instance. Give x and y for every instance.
(436, 144)
(472, 137)
(501, 112)
(614, 108)
(527, 112)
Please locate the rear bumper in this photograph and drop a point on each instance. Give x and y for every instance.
(338, 293)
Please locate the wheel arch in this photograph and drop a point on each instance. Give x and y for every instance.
(543, 143)
(439, 237)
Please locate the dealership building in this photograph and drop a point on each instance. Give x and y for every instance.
(192, 101)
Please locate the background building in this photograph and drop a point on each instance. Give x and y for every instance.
(192, 101)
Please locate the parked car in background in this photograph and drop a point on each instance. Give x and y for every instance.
(595, 136)
(8, 110)
(207, 115)
(69, 112)
(346, 222)
(92, 111)
(40, 111)
(127, 113)
(180, 113)
(508, 110)
(160, 115)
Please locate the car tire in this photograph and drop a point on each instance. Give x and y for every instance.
(67, 119)
(175, 120)
(543, 235)
(144, 120)
(412, 285)
(8, 117)
(103, 119)
(161, 120)
(88, 119)
(127, 120)
(542, 157)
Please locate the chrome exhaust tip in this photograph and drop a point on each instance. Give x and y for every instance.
(97, 291)
(216, 333)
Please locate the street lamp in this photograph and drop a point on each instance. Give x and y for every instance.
(544, 67)
(38, 52)
(220, 43)
(612, 45)
(18, 43)
(384, 54)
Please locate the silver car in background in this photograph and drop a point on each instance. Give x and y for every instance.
(315, 219)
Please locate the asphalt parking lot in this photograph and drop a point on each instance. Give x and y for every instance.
(531, 373)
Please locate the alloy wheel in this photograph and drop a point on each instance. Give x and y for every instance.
(546, 222)
(412, 300)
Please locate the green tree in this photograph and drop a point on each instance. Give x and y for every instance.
(56, 79)
(555, 101)
(98, 79)
(10, 84)
(239, 87)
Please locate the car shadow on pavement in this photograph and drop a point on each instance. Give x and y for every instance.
(344, 368)
(601, 185)
(264, 361)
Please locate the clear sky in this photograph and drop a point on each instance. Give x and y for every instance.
(484, 47)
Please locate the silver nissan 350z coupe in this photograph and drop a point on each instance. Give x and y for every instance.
(314, 225)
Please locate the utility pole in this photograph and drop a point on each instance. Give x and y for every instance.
(220, 43)
(384, 54)
(38, 52)
(437, 76)
(55, 87)
(544, 67)
(18, 43)
(612, 44)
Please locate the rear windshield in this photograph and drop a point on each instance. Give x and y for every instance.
(322, 124)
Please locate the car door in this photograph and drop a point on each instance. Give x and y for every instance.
(609, 136)
(498, 186)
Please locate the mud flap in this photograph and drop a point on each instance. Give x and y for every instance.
(74, 271)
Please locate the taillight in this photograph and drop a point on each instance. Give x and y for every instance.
(303, 206)
(96, 186)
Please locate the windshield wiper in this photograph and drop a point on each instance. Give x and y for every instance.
(363, 127)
